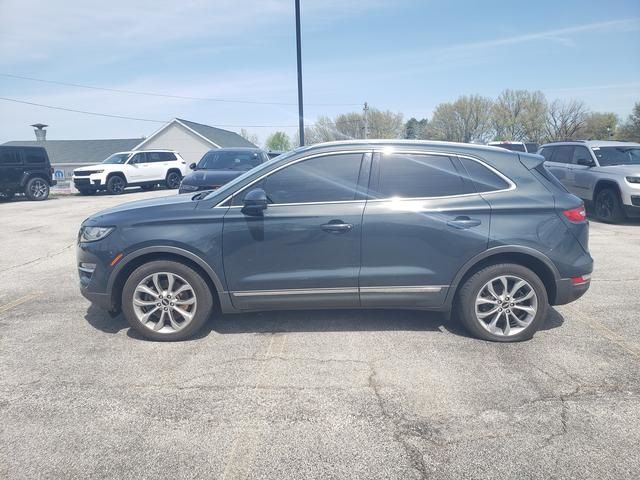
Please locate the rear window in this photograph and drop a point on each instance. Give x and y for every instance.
(545, 173)
(514, 147)
(420, 176)
(483, 178)
(562, 154)
(34, 156)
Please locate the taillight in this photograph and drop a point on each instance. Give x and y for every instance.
(576, 215)
(581, 280)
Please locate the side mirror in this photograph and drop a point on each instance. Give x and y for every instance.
(193, 166)
(585, 162)
(255, 202)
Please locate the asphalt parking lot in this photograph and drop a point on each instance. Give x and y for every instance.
(291, 395)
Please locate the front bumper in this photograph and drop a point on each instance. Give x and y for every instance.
(91, 182)
(94, 272)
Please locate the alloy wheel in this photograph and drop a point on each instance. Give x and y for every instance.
(605, 205)
(173, 180)
(117, 185)
(164, 302)
(38, 189)
(506, 305)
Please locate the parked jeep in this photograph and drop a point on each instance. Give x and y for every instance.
(25, 170)
(605, 174)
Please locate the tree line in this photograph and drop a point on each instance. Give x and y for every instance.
(516, 115)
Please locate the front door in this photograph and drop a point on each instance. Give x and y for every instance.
(423, 222)
(304, 251)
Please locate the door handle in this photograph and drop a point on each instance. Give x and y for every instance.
(464, 222)
(337, 226)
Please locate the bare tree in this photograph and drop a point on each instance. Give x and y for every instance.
(520, 115)
(252, 137)
(565, 119)
(350, 125)
(468, 119)
(599, 126)
(385, 124)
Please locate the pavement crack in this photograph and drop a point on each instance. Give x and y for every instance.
(39, 259)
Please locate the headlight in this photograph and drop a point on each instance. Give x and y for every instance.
(188, 188)
(633, 179)
(93, 234)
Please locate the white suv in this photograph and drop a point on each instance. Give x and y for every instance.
(144, 169)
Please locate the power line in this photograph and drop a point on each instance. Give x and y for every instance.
(181, 97)
(98, 114)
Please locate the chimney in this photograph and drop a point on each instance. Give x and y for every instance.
(41, 133)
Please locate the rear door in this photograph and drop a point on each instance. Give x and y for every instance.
(157, 165)
(424, 219)
(559, 164)
(11, 169)
(583, 178)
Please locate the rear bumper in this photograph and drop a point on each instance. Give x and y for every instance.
(567, 292)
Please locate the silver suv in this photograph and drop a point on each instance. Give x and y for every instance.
(605, 174)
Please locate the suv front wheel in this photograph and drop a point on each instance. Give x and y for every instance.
(166, 301)
(503, 303)
(173, 180)
(116, 185)
(608, 206)
(37, 189)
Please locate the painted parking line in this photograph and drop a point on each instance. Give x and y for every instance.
(604, 331)
(247, 441)
(19, 301)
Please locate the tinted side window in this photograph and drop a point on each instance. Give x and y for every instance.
(138, 158)
(163, 157)
(581, 153)
(483, 178)
(154, 157)
(563, 154)
(34, 157)
(9, 157)
(416, 176)
(547, 153)
(331, 178)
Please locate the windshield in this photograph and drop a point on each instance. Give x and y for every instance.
(117, 158)
(617, 155)
(241, 161)
(229, 188)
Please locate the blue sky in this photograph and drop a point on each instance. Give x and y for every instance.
(402, 55)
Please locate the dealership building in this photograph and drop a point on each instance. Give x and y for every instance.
(190, 139)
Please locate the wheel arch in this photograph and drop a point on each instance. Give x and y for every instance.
(113, 174)
(536, 261)
(130, 262)
(605, 183)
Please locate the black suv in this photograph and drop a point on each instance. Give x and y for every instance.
(25, 170)
(482, 231)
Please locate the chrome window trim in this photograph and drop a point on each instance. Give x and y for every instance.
(302, 159)
(338, 291)
(382, 151)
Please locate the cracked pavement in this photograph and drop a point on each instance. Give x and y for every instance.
(309, 394)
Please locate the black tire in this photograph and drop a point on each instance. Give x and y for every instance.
(147, 188)
(116, 184)
(37, 189)
(608, 206)
(173, 180)
(465, 306)
(200, 289)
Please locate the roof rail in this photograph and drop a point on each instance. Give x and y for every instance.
(568, 140)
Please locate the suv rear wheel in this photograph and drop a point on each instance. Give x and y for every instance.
(166, 301)
(608, 206)
(116, 185)
(173, 180)
(37, 189)
(503, 303)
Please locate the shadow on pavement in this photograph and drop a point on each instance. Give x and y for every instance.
(312, 321)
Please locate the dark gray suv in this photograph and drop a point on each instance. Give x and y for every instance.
(487, 233)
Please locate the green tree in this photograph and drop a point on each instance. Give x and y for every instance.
(599, 126)
(350, 125)
(468, 119)
(385, 124)
(630, 130)
(415, 129)
(278, 141)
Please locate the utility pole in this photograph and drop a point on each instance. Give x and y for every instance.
(365, 111)
(299, 52)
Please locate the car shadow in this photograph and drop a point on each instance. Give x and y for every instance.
(354, 320)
